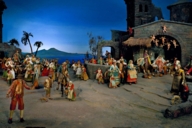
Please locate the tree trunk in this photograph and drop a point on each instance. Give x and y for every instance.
(30, 46)
(36, 51)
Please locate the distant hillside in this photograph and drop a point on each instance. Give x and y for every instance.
(51, 52)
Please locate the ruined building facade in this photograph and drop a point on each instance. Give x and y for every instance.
(140, 12)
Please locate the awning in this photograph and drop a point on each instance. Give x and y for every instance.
(138, 42)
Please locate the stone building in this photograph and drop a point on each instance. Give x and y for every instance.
(178, 29)
(141, 15)
(181, 11)
(141, 12)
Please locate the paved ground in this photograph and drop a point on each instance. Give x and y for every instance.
(138, 105)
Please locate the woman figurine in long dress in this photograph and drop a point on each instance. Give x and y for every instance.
(71, 91)
(115, 76)
(79, 70)
(131, 73)
(84, 75)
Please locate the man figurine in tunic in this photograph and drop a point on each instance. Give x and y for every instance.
(100, 61)
(36, 74)
(17, 57)
(147, 63)
(29, 70)
(52, 70)
(47, 87)
(178, 79)
(16, 91)
(121, 66)
(60, 74)
(74, 67)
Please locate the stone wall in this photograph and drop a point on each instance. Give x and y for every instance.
(182, 32)
(113, 44)
(92, 68)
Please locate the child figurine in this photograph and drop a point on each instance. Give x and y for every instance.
(71, 91)
(99, 76)
(112, 83)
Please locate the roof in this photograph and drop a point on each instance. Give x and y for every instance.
(179, 2)
(138, 42)
(163, 21)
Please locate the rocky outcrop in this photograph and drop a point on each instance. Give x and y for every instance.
(9, 50)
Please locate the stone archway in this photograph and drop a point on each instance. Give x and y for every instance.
(114, 46)
(179, 31)
(184, 53)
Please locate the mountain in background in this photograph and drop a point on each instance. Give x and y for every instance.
(52, 52)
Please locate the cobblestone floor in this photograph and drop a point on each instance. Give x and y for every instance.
(138, 105)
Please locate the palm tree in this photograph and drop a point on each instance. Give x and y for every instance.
(25, 39)
(38, 44)
(13, 42)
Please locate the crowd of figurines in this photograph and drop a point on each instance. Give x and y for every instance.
(32, 68)
(119, 72)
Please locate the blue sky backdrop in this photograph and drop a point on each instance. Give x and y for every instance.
(63, 24)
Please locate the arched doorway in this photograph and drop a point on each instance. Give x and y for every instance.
(104, 50)
(114, 46)
(164, 45)
(109, 49)
(167, 46)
